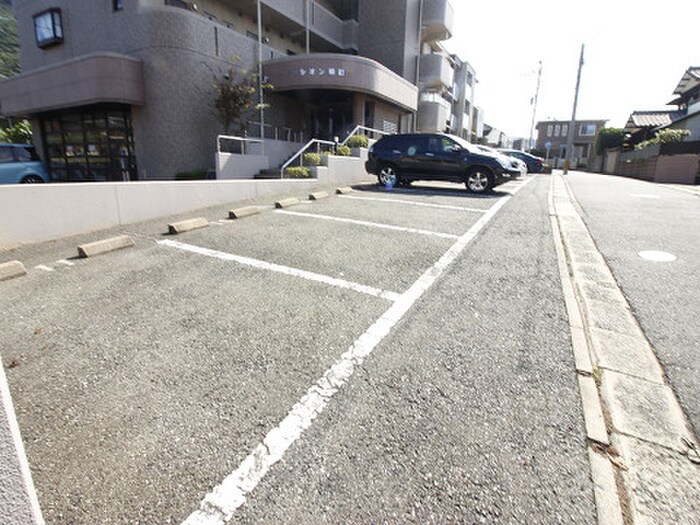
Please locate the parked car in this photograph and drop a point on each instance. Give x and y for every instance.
(534, 163)
(515, 162)
(400, 159)
(19, 164)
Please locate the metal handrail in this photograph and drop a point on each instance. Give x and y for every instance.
(242, 140)
(363, 128)
(299, 153)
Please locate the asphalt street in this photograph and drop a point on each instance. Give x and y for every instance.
(143, 378)
(627, 216)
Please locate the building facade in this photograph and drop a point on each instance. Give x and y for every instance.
(552, 138)
(122, 89)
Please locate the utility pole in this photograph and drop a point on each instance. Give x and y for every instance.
(260, 77)
(534, 106)
(572, 124)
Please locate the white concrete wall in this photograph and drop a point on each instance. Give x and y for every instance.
(40, 212)
(235, 166)
(343, 170)
(33, 213)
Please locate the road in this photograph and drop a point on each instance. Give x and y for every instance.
(632, 216)
(144, 378)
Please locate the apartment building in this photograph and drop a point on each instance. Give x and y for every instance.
(552, 137)
(122, 89)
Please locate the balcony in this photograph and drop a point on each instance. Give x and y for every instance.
(342, 33)
(436, 74)
(433, 115)
(438, 20)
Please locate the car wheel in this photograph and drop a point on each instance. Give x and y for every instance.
(388, 176)
(32, 179)
(479, 181)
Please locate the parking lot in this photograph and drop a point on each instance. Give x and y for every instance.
(145, 378)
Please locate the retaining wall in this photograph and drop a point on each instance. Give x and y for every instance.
(41, 212)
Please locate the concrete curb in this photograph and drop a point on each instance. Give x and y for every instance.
(187, 225)
(246, 211)
(12, 269)
(318, 195)
(645, 422)
(343, 190)
(286, 203)
(105, 245)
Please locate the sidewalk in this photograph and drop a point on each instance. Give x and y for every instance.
(644, 456)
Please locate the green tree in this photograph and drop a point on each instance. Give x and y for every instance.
(9, 41)
(19, 133)
(235, 96)
(608, 138)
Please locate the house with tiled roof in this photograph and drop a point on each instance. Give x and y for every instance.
(687, 100)
(642, 125)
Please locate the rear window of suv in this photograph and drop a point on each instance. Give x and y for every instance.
(6, 154)
(26, 154)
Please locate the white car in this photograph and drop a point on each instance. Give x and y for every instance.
(515, 163)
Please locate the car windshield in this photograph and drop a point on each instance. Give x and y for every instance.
(464, 144)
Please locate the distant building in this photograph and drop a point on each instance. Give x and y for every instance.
(688, 102)
(122, 90)
(552, 138)
(642, 125)
(496, 138)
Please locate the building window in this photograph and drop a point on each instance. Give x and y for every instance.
(118, 5)
(557, 129)
(177, 3)
(90, 144)
(564, 130)
(48, 28)
(549, 130)
(587, 130)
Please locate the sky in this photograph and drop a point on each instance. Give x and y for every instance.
(635, 55)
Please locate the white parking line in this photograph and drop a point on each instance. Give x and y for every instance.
(44, 267)
(262, 265)
(414, 203)
(65, 262)
(370, 224)
(219, 505)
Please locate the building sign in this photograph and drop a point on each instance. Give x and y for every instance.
(321, 72)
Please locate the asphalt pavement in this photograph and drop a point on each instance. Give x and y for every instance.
(143, 378)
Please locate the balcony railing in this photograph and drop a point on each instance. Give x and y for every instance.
(438, 20)
(435, 72)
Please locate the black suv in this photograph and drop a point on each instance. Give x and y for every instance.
(400, 159)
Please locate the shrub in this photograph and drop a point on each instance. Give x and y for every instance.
(343, 151)
(312, 159)
(298, 172)
(664, 136)
(191, 175)
(357, 141)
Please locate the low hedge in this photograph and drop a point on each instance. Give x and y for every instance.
(343, 151)
(312, 159)
(357, 141)
(298, 172)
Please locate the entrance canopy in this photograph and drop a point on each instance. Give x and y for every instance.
(330, 71)
(90, 79)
